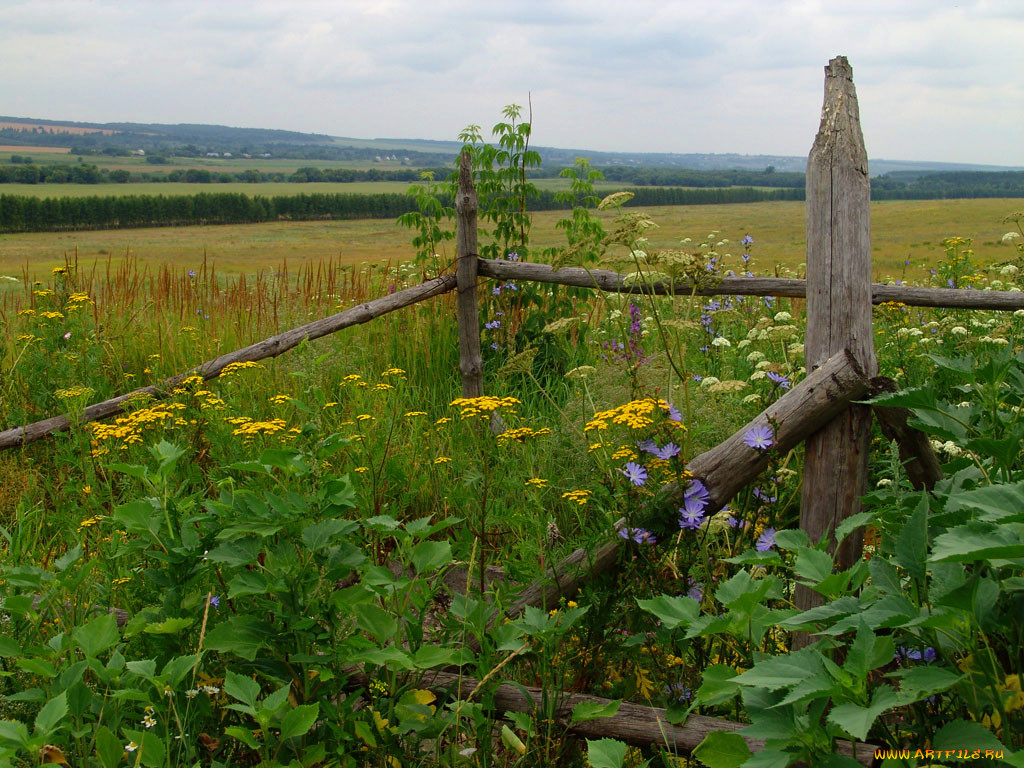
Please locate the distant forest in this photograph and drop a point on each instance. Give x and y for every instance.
(896, 185)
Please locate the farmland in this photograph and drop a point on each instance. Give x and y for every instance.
(901, 230)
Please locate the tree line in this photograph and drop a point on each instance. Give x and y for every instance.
(19, 213)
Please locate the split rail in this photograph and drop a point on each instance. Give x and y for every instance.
(820, 410)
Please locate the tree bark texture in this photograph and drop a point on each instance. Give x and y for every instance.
(838, 308)
(466, 205)
(613, 282)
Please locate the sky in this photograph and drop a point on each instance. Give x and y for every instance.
(936, 80)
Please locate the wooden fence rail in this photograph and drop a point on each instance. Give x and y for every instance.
(784, 287)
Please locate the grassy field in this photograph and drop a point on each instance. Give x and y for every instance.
(901, 230)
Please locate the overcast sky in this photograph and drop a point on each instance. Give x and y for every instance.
(936, 80)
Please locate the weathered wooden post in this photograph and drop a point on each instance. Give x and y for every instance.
(466, 204)
(838, 308)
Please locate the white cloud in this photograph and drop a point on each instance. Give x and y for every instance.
(936, 80)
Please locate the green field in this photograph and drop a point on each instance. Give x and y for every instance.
(900, 230)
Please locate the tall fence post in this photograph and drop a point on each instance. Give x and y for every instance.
(466, 204)
(838, 309)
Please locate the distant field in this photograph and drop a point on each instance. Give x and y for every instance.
(901, 230)
(47, 128)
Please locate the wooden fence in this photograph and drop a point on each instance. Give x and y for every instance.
(819, 410)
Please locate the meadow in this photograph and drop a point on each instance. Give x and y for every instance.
(274, 566)
(901, 230)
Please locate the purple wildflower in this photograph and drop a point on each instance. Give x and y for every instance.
(191, 273)
(492, 325)
(695, 591)
(638, 535)
(760, 437)
(673, 413)
(929, 655)
(512, 256)
(766, 540)
(494, 345)
(636, 473)
(697, 490)
(779, 380)
(949, 282)
(668, 451)
(762, 496)
(747, 240)
(691, 514)
(648, 446)
(679, 692)
(215, 601)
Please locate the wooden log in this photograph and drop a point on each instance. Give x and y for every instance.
(639, 725)
(838, 310)
(724, 470)
(606, 280)
(466, 204)
(916, 453)
(826, 392)
(261, 350)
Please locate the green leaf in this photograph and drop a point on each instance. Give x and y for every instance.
(9, 649)
(672, 611)
(768, 758)
(918, 683)
(911, 547)
(247, 583)
(813, 564)
(169, 626)
(376, 621)
(428, 556)
(915, 397)
(742, 592)
(718, 686)
(177, 668)
(321, 535)
(109, 748)
(980, 541)
(298, 721)
(243, 735)
(722, 749)
(55, 710)
(857, 720)
(152, 753)
(98, 635)
(776, 672)
(992, 502)
(594, 710)
(13, 732)
(965, 734)
(241, 635)
(850, 524)
(606, 753)
(240, 687)
(868, 652)
(792, 538)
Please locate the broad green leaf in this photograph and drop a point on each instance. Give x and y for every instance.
(298, 721)
(152, 753)
(606, 753)
(868, 651)
(813, 564)
(594, 710)
(98, 635)
(109, 748)
(672, 611)
(915, 397)
(510, 740)
(14, 733)
(376, 621)
(320, 535)
(55, 710)
(428, 556)
(768, 758)
(177, 668)
(9, 648)
(244, 735)
(918, 683)
(240, 687)
(850, 524)
(992, 502)
(980, 541)
(966, 734)
(718, 686)
(776, 672)
(742, 592)
(241, 635)
(911, 548)
(172, 625)
(722, 749)
(792, 538)
(247, 583)
(857, 720)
